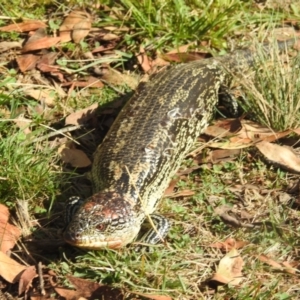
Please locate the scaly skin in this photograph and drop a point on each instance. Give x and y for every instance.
(146, 145)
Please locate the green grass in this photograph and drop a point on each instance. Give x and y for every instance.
(32, 171)
(271, 95)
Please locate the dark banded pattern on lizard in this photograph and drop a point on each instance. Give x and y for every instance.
(146, 145)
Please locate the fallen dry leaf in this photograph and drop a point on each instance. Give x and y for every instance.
(284, 156)
(228, 216)
(184, 56)
(7, 45)
(9, 234)
(224, 127)
(116, 78)
(289, 267)
(229, 244)
(183, 193)
(10, 270)
(81, 30)
(220, 155)
(269, 261)
(75, 26)
(297, 131)
(241, 133)
(26, 278)
(110, 37)
(170, 190)
(38, 34)
(91, 82)
(23, 123)
(81, 116)
(144, 60)
(90, 290)
(75, 157)
(27, 62)
(152, 297)
(230, 269)
(47, 59)
(44, 95)
(28, 25)
(43, 43)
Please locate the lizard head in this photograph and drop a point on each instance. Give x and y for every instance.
(105, 220)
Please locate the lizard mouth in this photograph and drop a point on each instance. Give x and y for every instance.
(93, 243)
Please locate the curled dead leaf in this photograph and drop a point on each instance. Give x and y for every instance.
(81, 116)
(230, 268)
(28, 25)
(27, 62)
(9, 234)
(7, 45)
(26, 279)
(116, 78)
(44, 95)
(10, 270)
(86, 289)
(283, 156)
(229, 244)
(75, 26)
(81, 30)
(23, 123)
(75, 157)
(43, 43)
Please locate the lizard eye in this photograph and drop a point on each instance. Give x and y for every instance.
(101, 227)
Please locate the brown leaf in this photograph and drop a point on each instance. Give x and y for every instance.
(81, 30)
(289, 267)
(110, 37)
(226, 214)
(184, 57)
(252, 131)
(170, 190)
(244, 136)
(230, 269)
(73, 22)
(27, 62)
(75, 157)
(281, 155)
(116, 78)
(265, 259)
(144, 60)
(47, 59)
(9, 234)
(23, 123)
(28, 25)
(81, 116)
(10, 270)
(183, 193)
(220, 155)
(297, 131)
(7, 45)
(153, 297)
(26, 279)
(46, 64)
(225, 127)
(4, 213)
(43, 43)
(91, 82)
(229, 244)
(37, 35)
(90, 290)
(43, 95)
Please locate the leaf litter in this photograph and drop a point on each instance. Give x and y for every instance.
(236, 134)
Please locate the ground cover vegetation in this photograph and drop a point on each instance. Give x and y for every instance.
(67, 69)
